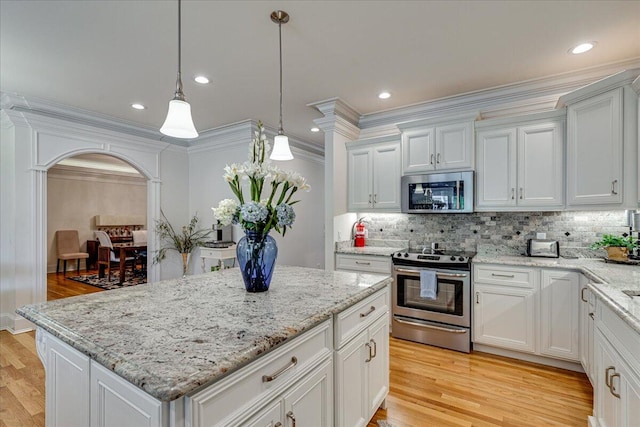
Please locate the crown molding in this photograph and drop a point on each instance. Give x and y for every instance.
(76, 173)
(337, 107)
(500, 99)
(552, 115)
(603, 85)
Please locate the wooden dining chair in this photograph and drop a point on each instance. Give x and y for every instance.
(68, 247)
(107, 257)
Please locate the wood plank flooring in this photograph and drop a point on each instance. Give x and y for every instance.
(429, 386)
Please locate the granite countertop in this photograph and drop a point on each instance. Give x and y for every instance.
(607, 280)
(171, 337)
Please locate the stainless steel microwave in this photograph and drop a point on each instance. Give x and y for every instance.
(437, 193)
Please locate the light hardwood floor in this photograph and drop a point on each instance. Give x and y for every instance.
(429, 386)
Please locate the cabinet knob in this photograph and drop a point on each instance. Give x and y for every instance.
(513, 193)
(477, 297)
(521, 193)
(438, 159)
(613, 186)
(431, 161)
(292, 418)
(375, 198)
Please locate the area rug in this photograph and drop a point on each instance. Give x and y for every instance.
(130, 279)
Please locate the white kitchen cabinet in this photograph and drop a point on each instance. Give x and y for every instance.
(430, 145)
(374, 175)
(362, 368)
(594, 150)
(519, 163)
(364, 263)
(587, 328)
(267, 417)
(616, 370)
(602, 143)
(560, 314)
(310, 402)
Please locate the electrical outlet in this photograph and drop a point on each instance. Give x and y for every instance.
(541, 235)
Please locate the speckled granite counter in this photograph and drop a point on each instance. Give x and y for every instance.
(607, 280)
(171, 337)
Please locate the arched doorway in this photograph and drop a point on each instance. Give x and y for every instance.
(88, 192)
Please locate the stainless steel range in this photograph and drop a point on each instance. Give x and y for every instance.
(442, 317)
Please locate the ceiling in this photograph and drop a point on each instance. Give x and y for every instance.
(103, 55)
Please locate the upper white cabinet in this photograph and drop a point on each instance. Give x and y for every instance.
(602, 143)
(595, 150)
(430, 145)
(519, 163)
(374, 174)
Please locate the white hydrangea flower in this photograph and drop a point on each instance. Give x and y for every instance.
(226, 212)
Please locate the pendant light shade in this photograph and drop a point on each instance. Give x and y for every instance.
(179, 123)
(281, 150)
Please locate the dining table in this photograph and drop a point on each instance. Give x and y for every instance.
(126, 248)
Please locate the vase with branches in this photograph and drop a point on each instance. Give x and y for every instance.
(183, 241)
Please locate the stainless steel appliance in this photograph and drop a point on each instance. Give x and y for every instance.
(221, 234)
(444, 321)
(543, 248)
(437, 193)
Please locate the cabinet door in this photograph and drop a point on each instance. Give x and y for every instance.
(386, 177)
(607, 406)
(360, 170)
(67, 384)
(540, 165)
(378, 366)
(559, 314)
(629, 395)
(271, 416)
(310, 402)
(351, 382)
(418, 150)
(454, 146)
(504, 317)
(496, 168)
(594, 150)
(586, 329)
(116, 402)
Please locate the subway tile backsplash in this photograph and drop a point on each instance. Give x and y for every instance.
(576, 230)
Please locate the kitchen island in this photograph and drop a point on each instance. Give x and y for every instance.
(178, 347)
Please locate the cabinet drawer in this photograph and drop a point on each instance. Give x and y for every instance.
(219, 253)
(506, 276)
(233, 398)
(364, 263)
(352, 321)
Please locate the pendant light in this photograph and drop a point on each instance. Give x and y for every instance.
(281, 150)
(179, 123)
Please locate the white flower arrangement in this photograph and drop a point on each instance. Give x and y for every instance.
(259, 214)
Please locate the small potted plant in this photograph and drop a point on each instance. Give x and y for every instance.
(617, 247)
(183, 241)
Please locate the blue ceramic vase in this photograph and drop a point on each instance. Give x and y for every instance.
(257, 255)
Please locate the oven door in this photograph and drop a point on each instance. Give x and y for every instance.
(451, 305)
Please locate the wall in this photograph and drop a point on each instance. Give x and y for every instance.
(75, 196)
(466, 231)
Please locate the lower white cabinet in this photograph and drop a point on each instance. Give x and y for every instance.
(616, 371)
(362, 374)
(528, 310)
(364, 263)
(587, 329)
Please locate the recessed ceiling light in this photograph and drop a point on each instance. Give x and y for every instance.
(384, 95)
(138, 106)
(582, 48)
(201, 79)
(315, 129)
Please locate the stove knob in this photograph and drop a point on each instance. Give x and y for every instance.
(406, 254)
(452, 258)
(461, 259)
(398, 255)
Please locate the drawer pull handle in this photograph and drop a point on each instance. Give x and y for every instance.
(511, 276)
(592, 316)
(521, 193)
(292, 418)
(278, 424)
(375, 348)
(513, 193)
(611, 388)
(363, 262)
(613, 187)
(582, 294)
(431, 162)
(375, 198)
(269, 378)
(371, 310)
(370, 357)
(477, 297)
(607, 379)
(438, 158)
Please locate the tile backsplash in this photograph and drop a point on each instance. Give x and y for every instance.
(512, 229)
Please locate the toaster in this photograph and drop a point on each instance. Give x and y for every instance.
(543, 248)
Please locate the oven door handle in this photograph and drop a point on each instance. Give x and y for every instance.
(437, 328)
(440, 275)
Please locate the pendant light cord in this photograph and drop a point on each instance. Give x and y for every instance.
(179, 94)
(280, 129)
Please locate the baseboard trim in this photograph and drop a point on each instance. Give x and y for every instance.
(542, 360)
(15, 324)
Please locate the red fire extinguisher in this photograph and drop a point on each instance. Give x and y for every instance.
(360, 234)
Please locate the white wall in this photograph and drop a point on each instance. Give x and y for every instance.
(303, 243)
